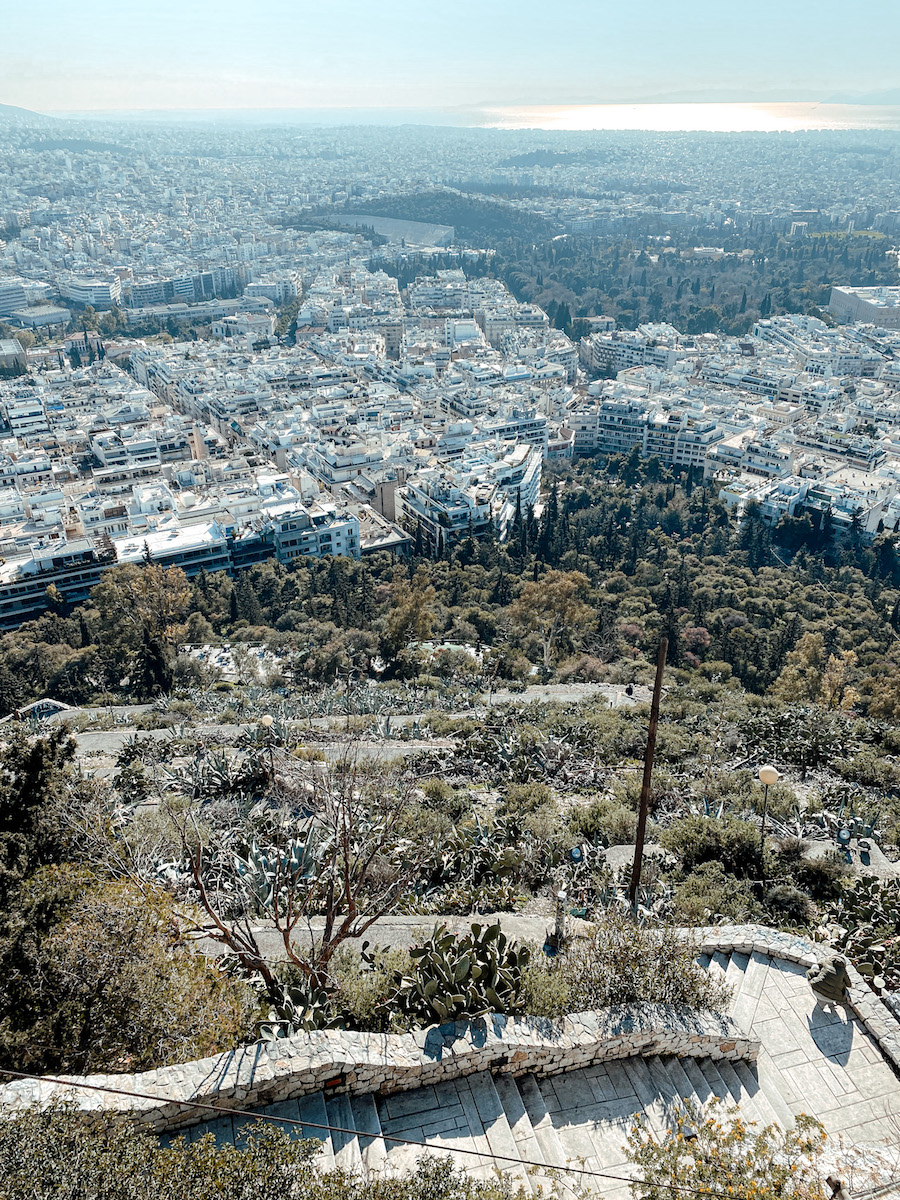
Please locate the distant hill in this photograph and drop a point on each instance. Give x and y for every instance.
(883, 99)
(24, 116)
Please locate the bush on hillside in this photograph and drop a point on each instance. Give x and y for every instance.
(98, 977)
(733, 843)
(709, 896)
(715, 1151)
(622, 962)
(49, 1155)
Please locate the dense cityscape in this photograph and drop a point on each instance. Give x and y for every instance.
(195, 382)
(449, 661)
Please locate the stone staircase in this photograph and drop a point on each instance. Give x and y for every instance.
(578, 1120)
(826, 1063)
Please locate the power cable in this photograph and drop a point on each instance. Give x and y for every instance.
(387, 1137)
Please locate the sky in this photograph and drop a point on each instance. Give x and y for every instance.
(461, 54)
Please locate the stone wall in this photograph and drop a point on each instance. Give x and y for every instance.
(342, 1061)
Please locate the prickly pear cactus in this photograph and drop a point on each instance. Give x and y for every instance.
(459, 977)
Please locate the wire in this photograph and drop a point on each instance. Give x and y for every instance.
(387, 1137)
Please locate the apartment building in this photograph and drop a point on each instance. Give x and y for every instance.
(100, 294)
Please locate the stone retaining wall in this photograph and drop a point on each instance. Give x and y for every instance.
(341, 1061)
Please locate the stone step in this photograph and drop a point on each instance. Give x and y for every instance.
(743, 1010)
(717, 1085)
(289, 1110)
(674, 1067)
(669, 1078)
(581, 1123)
(729, 1087)
(347, 1154)
(608, 1124)
(421, 1116)
(514, 1107)
(617, 1082)
(751, 1085)
(654, 1089)
(738, 1094)
(486, 1114)
(718, 964)
(312, 1108)
(527, 1143)
(222, 1129)
(770, 1081)
(524, 1128)
(735, 974)
(371, 1142)
(702, 1089)
(541, 1122)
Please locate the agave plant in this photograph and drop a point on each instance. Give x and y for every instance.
(268, 875)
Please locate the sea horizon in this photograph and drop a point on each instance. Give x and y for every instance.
(671, 117)
(697, 117)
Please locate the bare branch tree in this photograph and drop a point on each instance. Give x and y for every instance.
(318, 864)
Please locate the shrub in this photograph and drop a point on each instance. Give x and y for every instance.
(709, 895)
(46, 1156)
(788, 905)
(364, 986)
(606, 822)
(819, 877)
(585, 667)
(714, 1151)
(623, 962)
(729, 841)
(869, 769)
(98, 977)
(446, 799)
(524, 798)
(546, 990)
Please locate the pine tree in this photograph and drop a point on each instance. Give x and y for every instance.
(247, 602)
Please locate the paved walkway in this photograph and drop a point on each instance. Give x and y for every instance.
(820, 1058)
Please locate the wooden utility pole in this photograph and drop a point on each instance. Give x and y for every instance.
(648, 774)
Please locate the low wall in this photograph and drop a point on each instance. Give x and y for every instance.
(342, 1061)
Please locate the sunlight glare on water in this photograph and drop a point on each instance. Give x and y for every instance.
(713, 118)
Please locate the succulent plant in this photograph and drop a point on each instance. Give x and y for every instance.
(864, 924)
(299, 1008)
(459, 977)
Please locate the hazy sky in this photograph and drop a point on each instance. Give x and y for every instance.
(131, 54)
